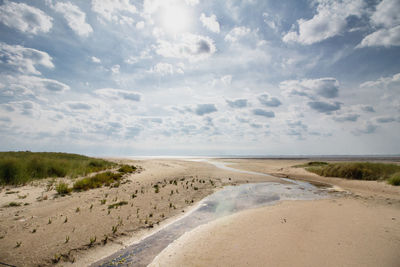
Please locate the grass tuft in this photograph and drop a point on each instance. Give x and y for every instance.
(127, 169)
(98, 180)
(63, 189)
(394, 179)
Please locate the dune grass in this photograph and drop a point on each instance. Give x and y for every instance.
(394, 179)
(22, 167)
(127, 169)
(359, 171)
(96, 181)
(311, 164)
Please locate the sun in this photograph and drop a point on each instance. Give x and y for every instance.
(175, 19)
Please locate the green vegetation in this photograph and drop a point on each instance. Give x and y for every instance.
(96, 181)
(312, 164)
(359, 171)
(395, 179)
(118, 204)
(127, 169)
(14, 204)
(63, 189)
(21, 167)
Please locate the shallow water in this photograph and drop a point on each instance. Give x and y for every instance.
(224, 202)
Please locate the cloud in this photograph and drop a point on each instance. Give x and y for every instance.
(367, 108)
(268, 101)
(238, 103)
(323, 87)
(263, 113)
(96, 60)
(190, 46)
(203, 109)
(79, 106)
(210, 22)
(226, 79)
(162, 68)
(237, 33)
(118, 94)
(114, 10)
(324, 107)
(386, 19)
(25, 18)
(22, 59)
(382, 37)
(385, 119)
(33, 84)
(367, 128)
(330, 20)
(347, 117)
(384, 82)
(140, 25)
(75, 18)
(115, 69)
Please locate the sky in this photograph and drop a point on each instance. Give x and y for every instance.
(191, 77)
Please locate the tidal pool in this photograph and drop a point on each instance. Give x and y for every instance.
(224, 202)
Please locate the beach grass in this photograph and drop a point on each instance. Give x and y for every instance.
(359, 171)
(96, 181)
(22, 167)
(395, 179)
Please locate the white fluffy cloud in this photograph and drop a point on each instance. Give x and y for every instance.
(117, 11)
(190, 46)
(329, 21)
(34, 83)
(24, 18)
(386, 19)
(23, 59)
(311, 88)
(210, 22)
(75, 18)
(392, 82)
(96, 59)
(118, 94)
(236, 33)
(162, 69)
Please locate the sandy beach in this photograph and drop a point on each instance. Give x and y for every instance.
(358, 227)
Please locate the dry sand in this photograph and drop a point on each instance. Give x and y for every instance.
(360, 228)
(343, 232)
(50, 228)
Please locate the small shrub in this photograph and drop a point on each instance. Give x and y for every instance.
(63, 189)
(77, 210)
(18, 244)
(66, 239)
(103, 201)
(395, 179)
(114, 229)
(127, 169)
(92, 241)
(14, 204)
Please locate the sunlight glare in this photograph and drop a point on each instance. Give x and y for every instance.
(175, 19)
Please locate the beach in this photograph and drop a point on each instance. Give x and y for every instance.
(358, 226)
